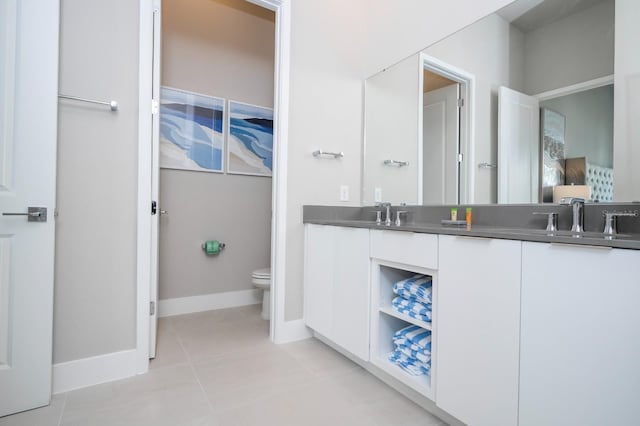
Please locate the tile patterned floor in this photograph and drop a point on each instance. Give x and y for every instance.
(219, 368)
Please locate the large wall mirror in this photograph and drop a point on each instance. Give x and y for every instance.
(515, 108)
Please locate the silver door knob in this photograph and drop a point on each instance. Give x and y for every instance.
(34, 214)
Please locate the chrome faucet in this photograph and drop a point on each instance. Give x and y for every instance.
(398, 213)
(552, 220)
(387, 206)
(578, 212)
(611, 222)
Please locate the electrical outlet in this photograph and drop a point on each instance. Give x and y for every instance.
(377, 195)
(344, 193)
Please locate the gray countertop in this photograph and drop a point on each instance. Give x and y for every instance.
(589, 238)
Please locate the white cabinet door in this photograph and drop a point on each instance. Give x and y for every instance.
(478, 317)
(318, 278)
(351, 291)
(337, 286)
(580, 343)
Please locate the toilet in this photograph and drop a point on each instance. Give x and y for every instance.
(261, 278)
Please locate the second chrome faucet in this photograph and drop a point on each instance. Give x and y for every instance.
(577, 205)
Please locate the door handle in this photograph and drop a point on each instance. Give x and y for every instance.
(34, 214)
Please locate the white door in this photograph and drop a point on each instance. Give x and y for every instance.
(155, 180)
(28, 127)
(440, 146)
(518, 147)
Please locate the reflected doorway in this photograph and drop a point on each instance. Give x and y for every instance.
(446, 174)
(441, 139)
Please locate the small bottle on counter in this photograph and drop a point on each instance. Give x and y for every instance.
(454, 214)
(469, 216)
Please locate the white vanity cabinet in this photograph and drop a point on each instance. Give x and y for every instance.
(580, 342)
(337, 285)
(478, 329)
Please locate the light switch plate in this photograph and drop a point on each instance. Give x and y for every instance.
(377, 195)
(344, 193)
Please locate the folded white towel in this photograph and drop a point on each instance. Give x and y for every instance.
(410, 365)
(414, 334)
(416, 354)
(412, 308)
(404, 342)
(418, 288)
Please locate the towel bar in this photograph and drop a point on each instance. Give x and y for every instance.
(319, 152)
(111, 104)
(487, 166)
(396, 163)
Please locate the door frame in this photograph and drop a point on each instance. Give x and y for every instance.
(282, 9)
(467, 81)
(575, 88)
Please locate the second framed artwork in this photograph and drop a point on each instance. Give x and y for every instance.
(250, 139)
(193, 129)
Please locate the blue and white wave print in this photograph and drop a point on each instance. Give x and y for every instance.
(250, 139)
(191, 131)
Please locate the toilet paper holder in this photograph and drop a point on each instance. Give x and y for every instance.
(213, 247)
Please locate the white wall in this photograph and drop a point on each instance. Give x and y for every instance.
(397, 29)
(627, 102)
(335, 45)
(577, 48)
(95, 261)
(327, 57)
(221, 48)
(392, 117)
(492, 50)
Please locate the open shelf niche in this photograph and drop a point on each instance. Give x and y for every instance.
(385, 321)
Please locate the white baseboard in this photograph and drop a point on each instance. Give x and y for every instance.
(291, 331)
(91, 371)
(208, 302)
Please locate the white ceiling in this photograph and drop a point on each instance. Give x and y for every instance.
(527, 15)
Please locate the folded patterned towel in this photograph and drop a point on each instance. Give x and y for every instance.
(414, 334)
(403, 342)
(420, 355)
(412, 308)
(416, 288)
(410, 365)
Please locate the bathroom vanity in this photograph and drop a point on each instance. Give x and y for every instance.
(527, 328)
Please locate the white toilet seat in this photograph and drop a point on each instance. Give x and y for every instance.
(261, 273)
(261, 279)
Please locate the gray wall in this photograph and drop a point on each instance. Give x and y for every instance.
(95, 264)
(571, 50)
(222, 48)
(589, 124)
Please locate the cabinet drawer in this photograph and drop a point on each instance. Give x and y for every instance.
(405, 247)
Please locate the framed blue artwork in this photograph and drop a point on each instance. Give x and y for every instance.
(191, 131)
(250, 141)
